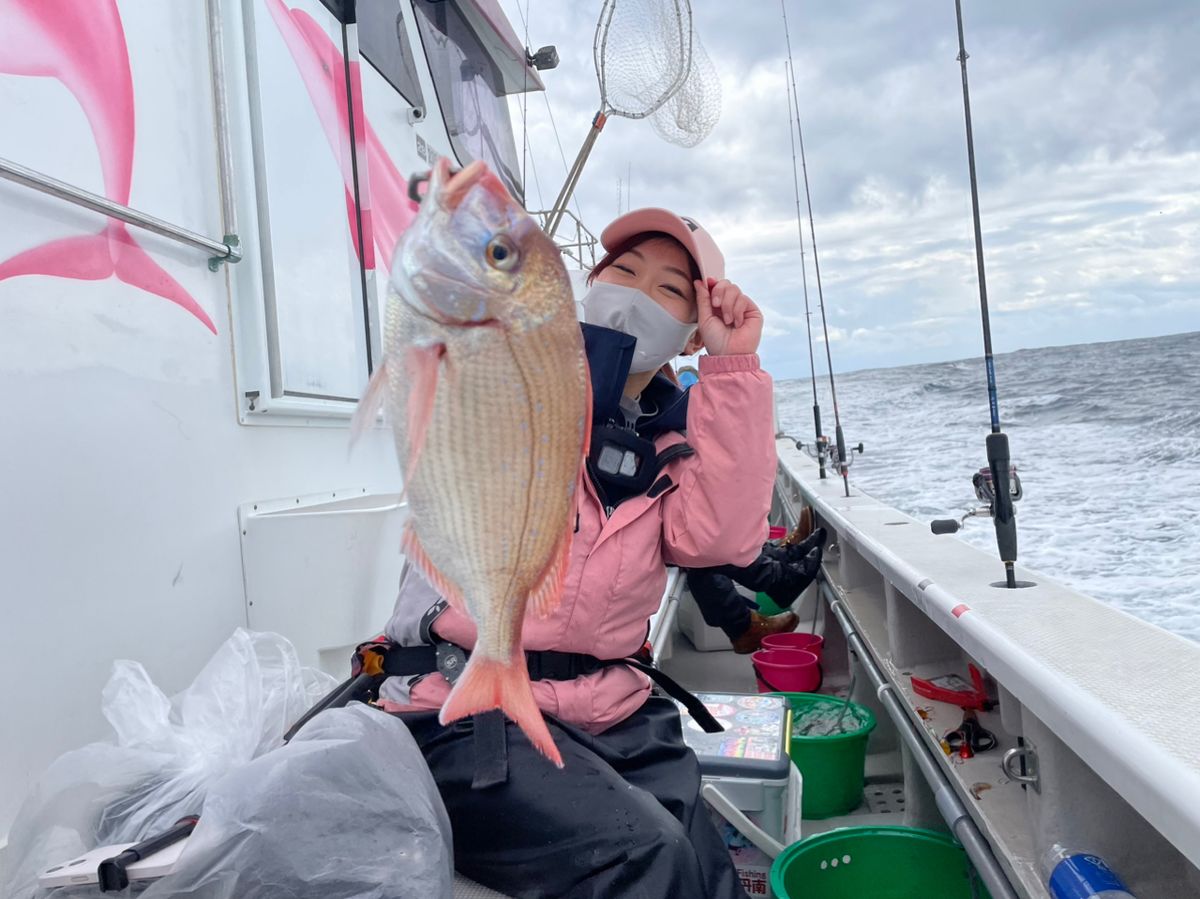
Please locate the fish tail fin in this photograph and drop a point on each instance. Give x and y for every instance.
(99, 256)
(488, 684)
(370, 404)
(79, 258)
(134, 266)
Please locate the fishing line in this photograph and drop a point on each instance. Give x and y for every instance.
(812, 364)
(839, 436)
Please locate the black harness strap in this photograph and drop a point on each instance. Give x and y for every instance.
(700, 714)
(491, 750)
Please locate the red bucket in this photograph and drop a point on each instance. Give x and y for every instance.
(814, 643)
(776, 533)
(786, 670)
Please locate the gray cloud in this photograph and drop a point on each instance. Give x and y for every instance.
(1087, 125)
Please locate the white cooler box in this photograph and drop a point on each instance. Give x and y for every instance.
(691, 623)
(749, 781)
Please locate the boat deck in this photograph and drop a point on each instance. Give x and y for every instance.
(725, 671)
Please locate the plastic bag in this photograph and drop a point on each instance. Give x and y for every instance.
(167, 752)
(347, 809)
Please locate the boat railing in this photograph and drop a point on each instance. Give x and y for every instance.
(1090, 698)
(578, 243)
(219, 251)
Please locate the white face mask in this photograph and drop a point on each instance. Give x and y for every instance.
(660, 335)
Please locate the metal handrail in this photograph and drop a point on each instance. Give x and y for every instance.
(216, 58)
(19, 174)
(957, 818)
(585, 241)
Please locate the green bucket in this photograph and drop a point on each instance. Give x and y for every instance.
(832, 767)
(767, 606)
(879, 862)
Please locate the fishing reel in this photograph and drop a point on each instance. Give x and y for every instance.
(832, 450)
(985, 492)
(823, 451)
(818, 452)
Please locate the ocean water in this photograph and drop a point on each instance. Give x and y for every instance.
(1106, 439)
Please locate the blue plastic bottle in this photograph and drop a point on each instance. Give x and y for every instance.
(1072, 874)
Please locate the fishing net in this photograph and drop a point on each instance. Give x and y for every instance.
(690, 114)
(650, 63)
(642, 51)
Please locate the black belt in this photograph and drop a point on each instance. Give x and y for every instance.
(545, 664)
(377, 660)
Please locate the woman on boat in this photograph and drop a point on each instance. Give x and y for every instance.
(623, 817)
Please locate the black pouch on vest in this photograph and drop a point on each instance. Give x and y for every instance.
(621, 461)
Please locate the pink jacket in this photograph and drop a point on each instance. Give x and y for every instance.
(716, 513)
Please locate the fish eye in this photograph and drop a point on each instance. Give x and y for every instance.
(502, 253)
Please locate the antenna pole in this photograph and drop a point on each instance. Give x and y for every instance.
(997, 441)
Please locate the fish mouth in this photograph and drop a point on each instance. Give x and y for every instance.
(452, 189)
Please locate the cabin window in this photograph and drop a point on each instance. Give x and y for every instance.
(315, 318)
(471, 91)
(383, 42)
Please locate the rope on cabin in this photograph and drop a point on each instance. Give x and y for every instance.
(561, 152)
(526, 17)
(839, 436)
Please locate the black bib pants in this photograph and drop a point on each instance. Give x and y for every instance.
(622, 819)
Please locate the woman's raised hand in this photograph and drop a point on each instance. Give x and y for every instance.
(729, 322)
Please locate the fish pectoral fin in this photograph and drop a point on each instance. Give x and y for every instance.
(421, 364)
(370, 404)
(412, 548)
(488, 684)
(547, 593)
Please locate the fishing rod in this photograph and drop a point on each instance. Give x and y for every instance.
(812, 364)
(843, 460)
(998, 484)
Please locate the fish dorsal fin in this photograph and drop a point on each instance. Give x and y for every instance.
(421, 364)
(370, 404)
(547, 593)
(411, 545)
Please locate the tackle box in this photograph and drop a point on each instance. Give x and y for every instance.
(748, 764)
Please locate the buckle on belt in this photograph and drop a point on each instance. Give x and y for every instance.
(451, 660)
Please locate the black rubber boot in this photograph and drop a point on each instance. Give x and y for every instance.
(798, 551)
(793, 578)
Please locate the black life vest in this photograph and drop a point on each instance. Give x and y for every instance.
(623, 461)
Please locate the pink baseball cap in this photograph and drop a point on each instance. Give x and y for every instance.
(695, 240)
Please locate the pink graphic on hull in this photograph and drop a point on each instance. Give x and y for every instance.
(81, 43)
(386, 209)
(394, 211)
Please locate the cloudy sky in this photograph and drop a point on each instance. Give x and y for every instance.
(1087, 134)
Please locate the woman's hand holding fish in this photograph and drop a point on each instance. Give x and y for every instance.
(729, 322)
